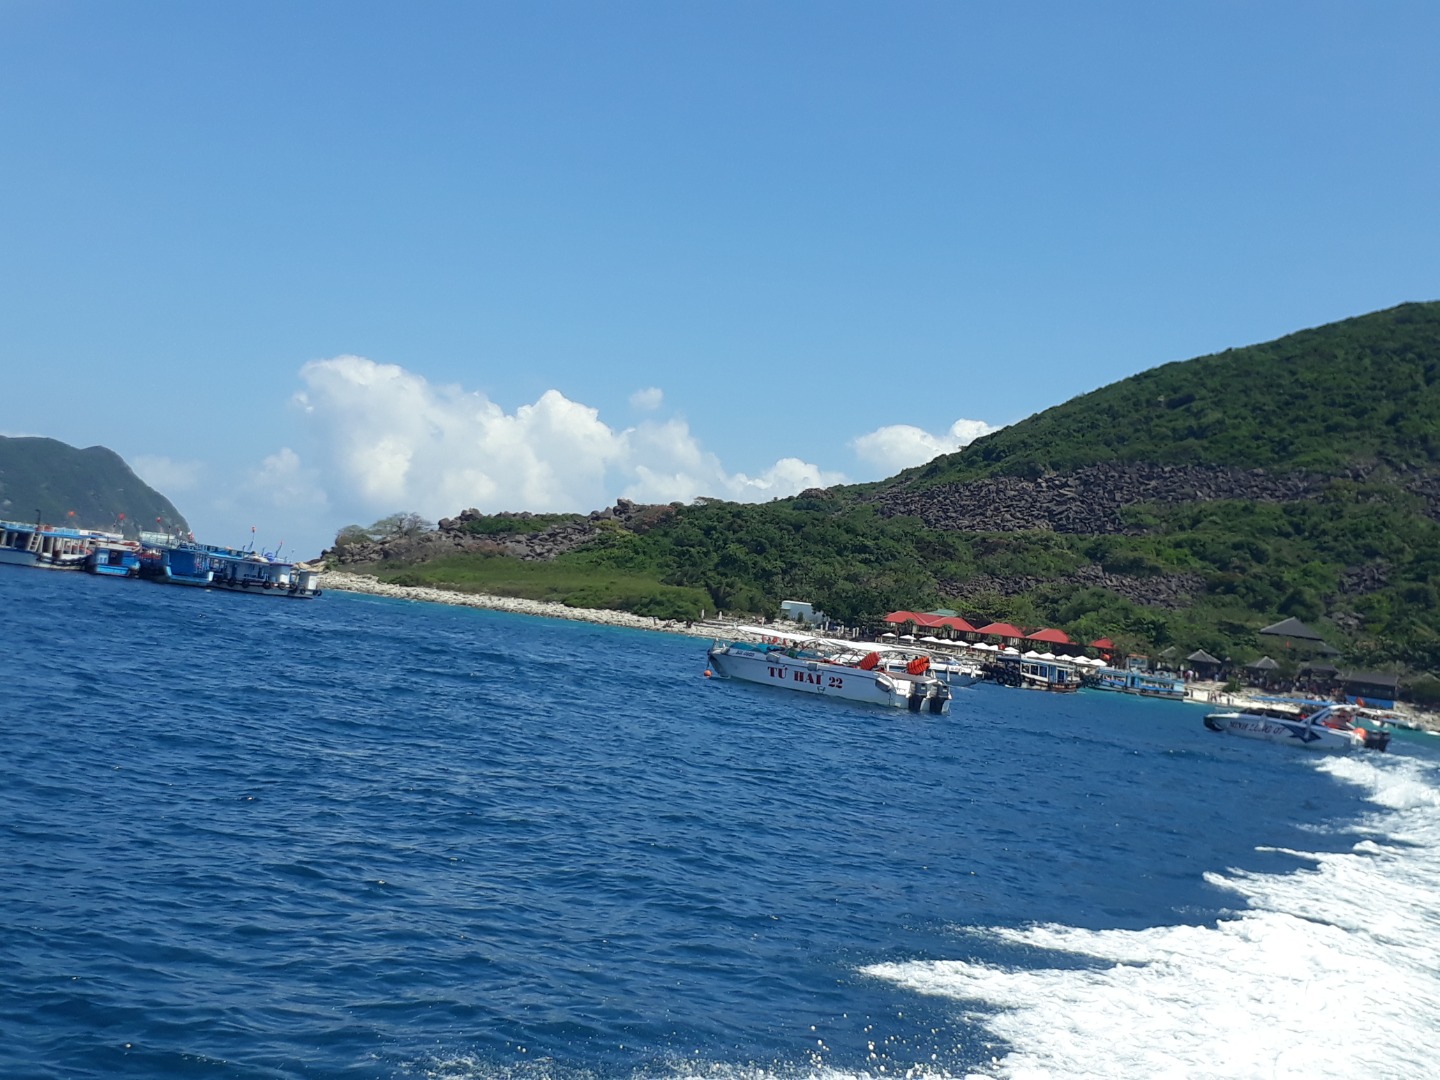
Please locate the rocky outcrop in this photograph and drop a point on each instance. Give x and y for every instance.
(452, 535)
(1170, 592)
(1089, 500)
(1092, 499)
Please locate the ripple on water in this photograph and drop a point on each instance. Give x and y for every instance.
(376, 838)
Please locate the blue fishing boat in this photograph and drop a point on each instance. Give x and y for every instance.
(175, 563)
(1142, 683)
(110, 556)
(214, 566)
(262, 574)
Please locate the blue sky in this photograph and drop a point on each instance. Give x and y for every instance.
(306, 264)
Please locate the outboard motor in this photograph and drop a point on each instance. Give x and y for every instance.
(916, 699)
(939, 695)
(1377, 739)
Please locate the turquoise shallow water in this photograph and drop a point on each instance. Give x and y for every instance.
(366, 838)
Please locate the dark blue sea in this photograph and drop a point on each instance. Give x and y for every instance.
(359, 837)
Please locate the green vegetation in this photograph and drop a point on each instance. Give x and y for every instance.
(510, 524)
(51, 479)
(393, 527)
(1353, 392)
(1356, 404)
(581, 580)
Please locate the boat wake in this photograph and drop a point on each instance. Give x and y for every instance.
(1326, 971)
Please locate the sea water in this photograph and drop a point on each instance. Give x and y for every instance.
(357, 837)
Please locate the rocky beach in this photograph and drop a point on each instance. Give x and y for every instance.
(360, 583)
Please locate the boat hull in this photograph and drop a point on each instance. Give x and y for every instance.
(1295, 732)
(813, 676)
(108, 570)
(70, 561)
(292, 590)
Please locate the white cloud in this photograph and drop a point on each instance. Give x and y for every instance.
(647, 400)
(392, 441)
(166, 475)
(668, 464)
(282, 481)
(901, 446)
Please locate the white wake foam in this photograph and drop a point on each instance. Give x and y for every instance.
(1330, 971)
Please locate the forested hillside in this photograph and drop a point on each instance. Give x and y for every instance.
(1188, 505)
(50, 479)
(1355, 392)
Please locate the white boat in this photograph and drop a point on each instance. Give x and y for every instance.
(1334, 727)
(955, 672)
(841, 669)
(45, 546)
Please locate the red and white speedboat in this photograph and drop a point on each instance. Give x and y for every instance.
(840, 669)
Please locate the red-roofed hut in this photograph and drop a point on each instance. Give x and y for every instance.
(1002, 630)
(1106, 646)
(1054, 637)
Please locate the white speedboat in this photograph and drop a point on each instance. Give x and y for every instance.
(955, 673)
(840, 669)
(1334, 727)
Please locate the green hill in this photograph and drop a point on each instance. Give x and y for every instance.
(1354, 392)
(1186, 506)
(49, 479)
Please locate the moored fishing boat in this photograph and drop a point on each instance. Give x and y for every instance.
(1334, 727)
(1143, 683)
(213, 566)
(175, 563)
(111, 556)
(1034, 673)
(16, 541)
(264, 575)
(837, 669)
(44, 546)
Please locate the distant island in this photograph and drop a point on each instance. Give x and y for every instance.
(1185, 507)
(89, 489)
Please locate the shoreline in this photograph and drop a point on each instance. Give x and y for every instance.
(1198, 693)
(552, 609)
